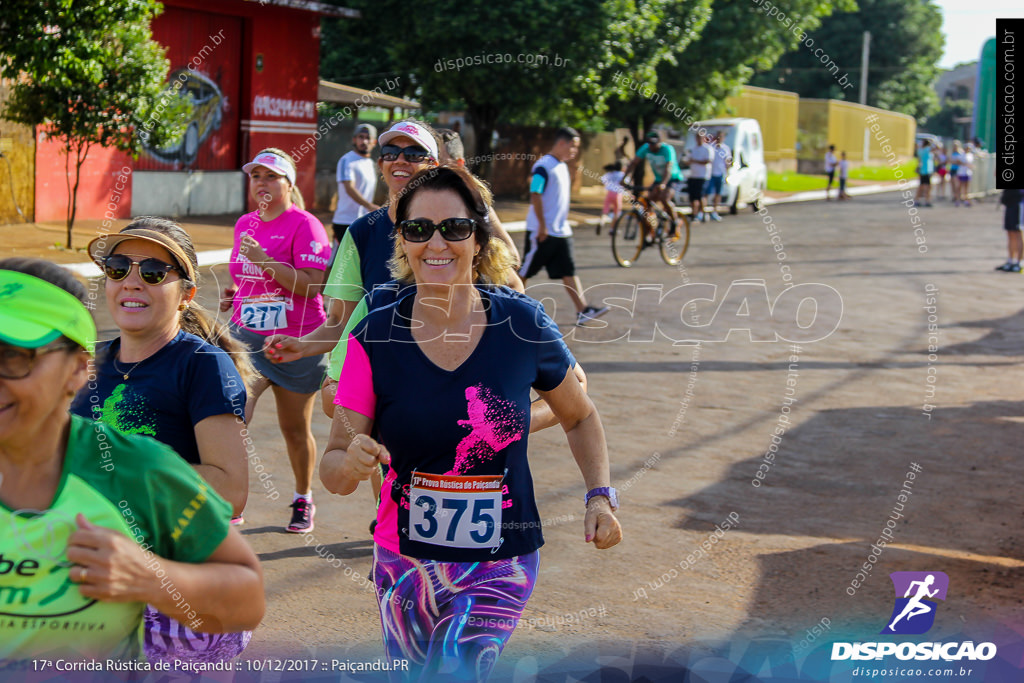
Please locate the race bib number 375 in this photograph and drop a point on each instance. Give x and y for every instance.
(454, 511)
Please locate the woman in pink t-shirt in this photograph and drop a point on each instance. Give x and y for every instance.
(277, 268)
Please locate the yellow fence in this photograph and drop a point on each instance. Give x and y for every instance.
(868, 135)
(777, 113)
(17, 169)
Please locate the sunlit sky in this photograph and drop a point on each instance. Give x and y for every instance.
(967, 24)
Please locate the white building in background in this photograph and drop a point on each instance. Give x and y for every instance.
(957, 83)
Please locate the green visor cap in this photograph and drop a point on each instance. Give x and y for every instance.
(34, 313)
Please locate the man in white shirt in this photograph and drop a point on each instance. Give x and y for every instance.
(357, 181)
(700, 171)
(721, 160)
(548, 233)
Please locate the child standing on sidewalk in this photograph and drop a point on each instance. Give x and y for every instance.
(612, 180)
(844, 173)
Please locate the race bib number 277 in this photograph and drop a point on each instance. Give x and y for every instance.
(264, 314)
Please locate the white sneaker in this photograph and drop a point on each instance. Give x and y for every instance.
(589, 313)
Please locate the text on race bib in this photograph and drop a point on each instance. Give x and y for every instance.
(263, 314)
(454, 511)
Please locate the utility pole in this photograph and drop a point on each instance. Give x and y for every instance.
(865, 52)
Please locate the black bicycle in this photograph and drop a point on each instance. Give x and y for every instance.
(643, 225)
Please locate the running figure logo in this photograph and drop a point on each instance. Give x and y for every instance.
(494, 424)
(914, 612)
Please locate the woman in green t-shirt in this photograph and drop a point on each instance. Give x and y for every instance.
(101, 523)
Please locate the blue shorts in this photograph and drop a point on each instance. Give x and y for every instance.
(714, 186)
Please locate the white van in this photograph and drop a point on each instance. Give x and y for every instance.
(747, 178)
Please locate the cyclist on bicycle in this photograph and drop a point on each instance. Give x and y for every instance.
(668, 178)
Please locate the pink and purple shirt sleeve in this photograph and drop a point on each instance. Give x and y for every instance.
(355, 392)
(355, 384)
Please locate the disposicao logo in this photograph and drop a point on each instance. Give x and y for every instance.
(913, 613)
(916, 595)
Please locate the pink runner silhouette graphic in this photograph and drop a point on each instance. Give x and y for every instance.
(495, 423)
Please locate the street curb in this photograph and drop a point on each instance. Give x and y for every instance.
(809, 196)
(219, 256)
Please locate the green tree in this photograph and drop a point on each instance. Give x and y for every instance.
(943, 123)
(634, 100)
(906, 45)
(725, 43)
(90, 74)
(353, 52)
(536, 60)
(618, 61)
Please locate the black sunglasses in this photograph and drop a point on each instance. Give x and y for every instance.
(452, 229)
(152, 271)
(17, 362)
(413, 154)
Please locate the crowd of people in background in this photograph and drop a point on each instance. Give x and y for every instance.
(949, 168)
(944, 174)
(708, 163)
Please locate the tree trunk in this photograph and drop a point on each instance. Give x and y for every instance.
(69, 214)
(81, 150)
(647, 120)
(485, 117)
(634, 132)
(638, 172)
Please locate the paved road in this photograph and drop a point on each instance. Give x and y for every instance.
(691, 427)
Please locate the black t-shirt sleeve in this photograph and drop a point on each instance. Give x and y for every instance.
(553, 357)
(216, 387)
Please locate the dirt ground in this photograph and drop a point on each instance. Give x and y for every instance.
(690, 426)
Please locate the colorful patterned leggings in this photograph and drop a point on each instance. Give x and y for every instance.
(168, 640)
(451, 620)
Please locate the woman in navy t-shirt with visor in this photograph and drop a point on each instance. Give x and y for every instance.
(443, 376)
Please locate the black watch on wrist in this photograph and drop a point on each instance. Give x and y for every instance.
(608, 492)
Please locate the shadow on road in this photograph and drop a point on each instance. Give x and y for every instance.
(1003, 338)
(347, 551)
(837, 478)
(659, 367)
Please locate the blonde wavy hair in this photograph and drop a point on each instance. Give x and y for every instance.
(494, 262)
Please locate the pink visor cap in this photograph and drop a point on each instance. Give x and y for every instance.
(418, 134)
(275, 162)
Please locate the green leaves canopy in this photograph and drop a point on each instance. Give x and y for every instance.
(906, 45)
(693, 52)
(90, 74)
(89, 71)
